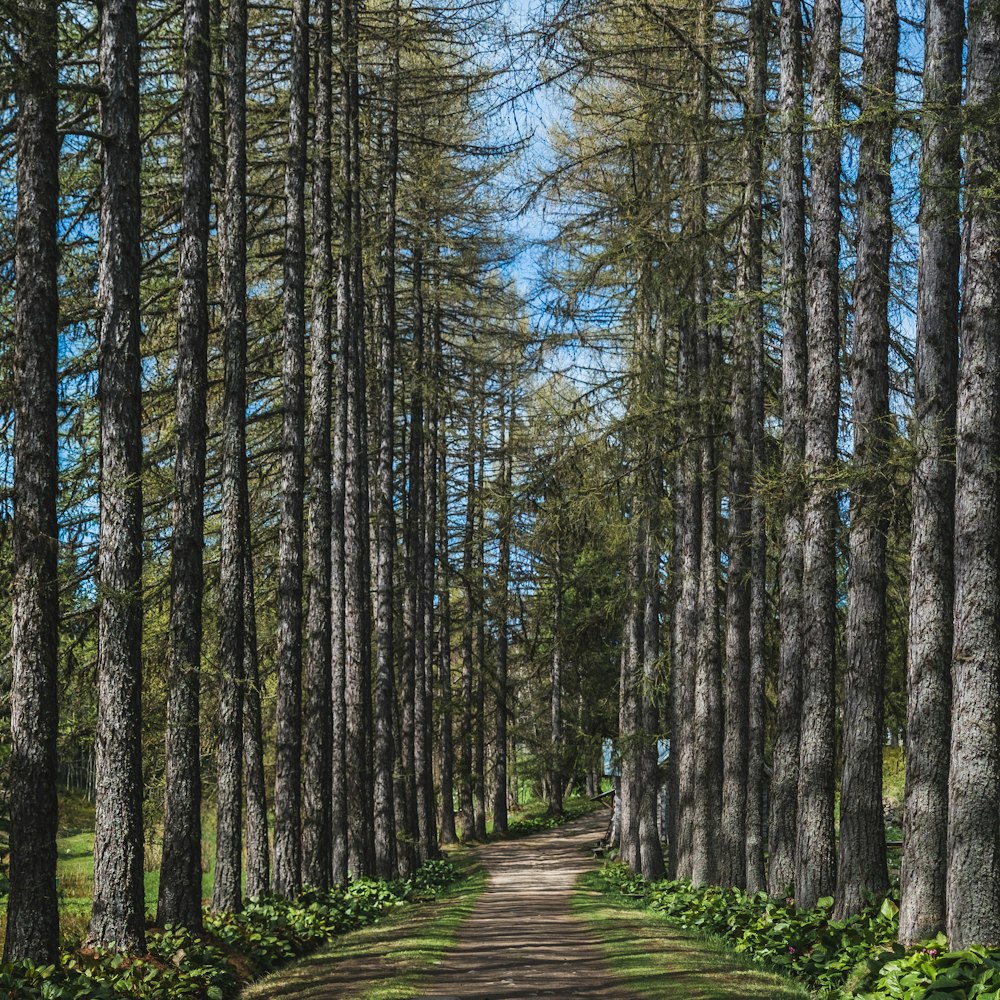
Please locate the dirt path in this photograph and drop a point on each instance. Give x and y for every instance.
(522, 939)
(519, 939)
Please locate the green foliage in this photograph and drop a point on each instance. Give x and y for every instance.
(573, 809)
(934, 973)
(236, 947)
(858, 957)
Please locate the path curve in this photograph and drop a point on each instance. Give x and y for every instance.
(522, 938)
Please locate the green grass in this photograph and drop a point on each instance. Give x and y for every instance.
(391, 958)
(75, 866)
(658, 961)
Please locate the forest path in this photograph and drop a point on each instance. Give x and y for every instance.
(522, 938)
(516, 938)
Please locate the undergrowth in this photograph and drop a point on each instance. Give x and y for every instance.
(856, 957)
(235, 948)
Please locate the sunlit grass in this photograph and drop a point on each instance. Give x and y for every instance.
(391, 958)
(660, 962)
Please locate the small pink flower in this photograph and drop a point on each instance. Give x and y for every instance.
(791, 950)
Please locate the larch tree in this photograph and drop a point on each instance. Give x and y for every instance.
(33, 904)
(862, 871)
(118, 916)
(973, 880)
(180, 872)
(782, 823)
(317, 772)
(227, 892)
(925, 817)
(288, 743)
(815, 851)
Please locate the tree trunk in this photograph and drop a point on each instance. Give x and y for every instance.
(479, 742)
(425, 776)
(33, 904)
(815, 851)
(288, 741)
(180, 869)
(338, 496)
(862, 868)
(465, 736)
(750, 279)
(417, 548)
(446, 827)
(973, 887)
(119, 914)
(385, 693)
(258, 877)
(783, 822)
(503, 639)
(556, 728)
(227, 892)
(925, 814)
(316, 736)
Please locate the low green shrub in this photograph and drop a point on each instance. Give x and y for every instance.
(573, 809)
(235, 948)
(857, 957)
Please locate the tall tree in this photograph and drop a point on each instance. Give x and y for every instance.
(925, 816)
(748, 289)
(338, 569)
(288, 749)
(227, 893)
(316, 736)
(118, 916)
(385, 694)
(783, 821)
(973, 886)
(33, 905)
(815, 852)
(466, 732)
(862, 868)
(180, 870)
(258, 874)
(446, 827)
(507, 414)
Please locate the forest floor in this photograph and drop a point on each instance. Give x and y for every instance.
(533, 930)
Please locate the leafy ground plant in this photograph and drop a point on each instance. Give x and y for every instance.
(234, 950)
(857, 957)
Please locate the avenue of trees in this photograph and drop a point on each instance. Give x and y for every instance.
(327, 536)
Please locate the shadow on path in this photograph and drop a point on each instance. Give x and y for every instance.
(522, 938)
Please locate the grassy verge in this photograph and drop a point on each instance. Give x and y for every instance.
(661, 962)
(534, 816)
(384, 962)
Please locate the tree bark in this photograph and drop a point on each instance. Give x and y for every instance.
(465, 735)
(118, 916)
(317, 707)
(227, 891)
(288, 742)
(180, 869)
(862, 868)
(815, 851)
(503, 639)
(783, 821)
(973, 887)
(479, 741)
(555, 678)
(258, 875)
(386, 865)
(752, 314)
(925, 813)
(446, 827)
(33, 904)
